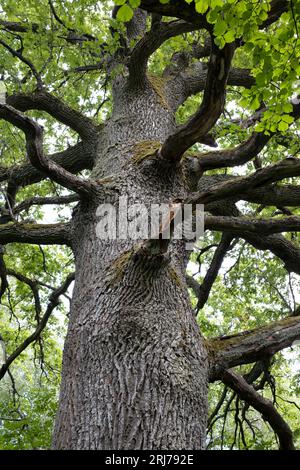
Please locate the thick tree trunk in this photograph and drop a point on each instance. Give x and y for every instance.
(135, 365)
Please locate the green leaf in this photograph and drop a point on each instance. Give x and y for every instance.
(229, 36)
(125, 13)
(260, 79)
(201, 6)
(287, 107)
(283, 126)
(220, 42)
(287, 118)
(263, 15)
(216, 3)
(220, 27)
(255, 103)
(212, 15)
(135, 3)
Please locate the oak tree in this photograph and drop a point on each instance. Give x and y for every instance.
(170, 101)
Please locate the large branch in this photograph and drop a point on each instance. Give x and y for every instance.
(249, 228)
(192, 79)
(236, 156)
(193, 284)
(210, 109)
(72, 36)
(244, 152)
(149, 44)
(284, 249)
(54, 301)
(44, 101)
(277, 8)
(34, 134)
(18, 27)
(287, 168)
(252, 224)
(285, 195)
(174, 8)
(241, 154)
(213, 270)
(264, 406)
(251, 346)
(185, 11)
(40, 234)
(41, 201)
(267, 195)
(74, 159)
(20, 56)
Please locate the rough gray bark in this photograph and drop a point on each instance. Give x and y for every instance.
(135, 367)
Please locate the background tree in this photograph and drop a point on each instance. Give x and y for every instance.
(134, 97)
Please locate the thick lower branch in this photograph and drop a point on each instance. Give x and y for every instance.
(269, 195)
(175, 9)
(284, 249)
(262, 405)
(252, 224)
(192, 79)
(44, 101)
(250, 346)
(241, 154)
(287, 168)
(149, 44)
(210, 109)
(284, 195)
(40, 234)
(74, 159)
(54, 301)
(186, 11)
(34, 140)
(18, 27)
(213, 270)
(232, 157)
(41, 201)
